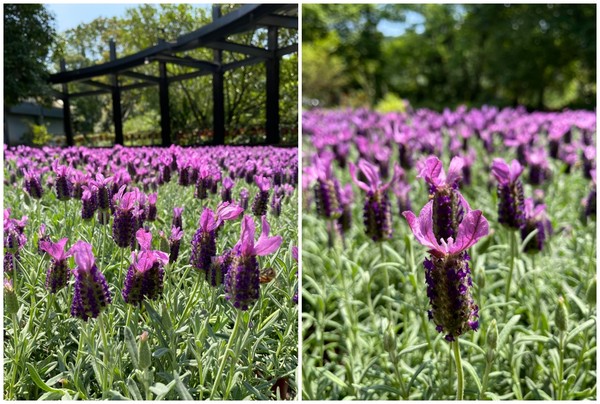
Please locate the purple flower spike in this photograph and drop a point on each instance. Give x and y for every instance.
(242, 284)
(91, 293)
(447, 271)
(174, 243)
(326, 189)
(57, 274)
(204, 244)
(33, 184)
(510, 193)
(145, 275)
(261, 200)
(151, 214)
(62, 185)
(226, 189)
(377, 210)
(177, 222)
(535, 219)
(433, 173)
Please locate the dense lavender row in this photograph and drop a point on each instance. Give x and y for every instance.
(510, 157)
(123, 202)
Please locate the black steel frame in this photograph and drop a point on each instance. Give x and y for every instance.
(213, 36)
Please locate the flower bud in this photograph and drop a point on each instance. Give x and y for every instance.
(492, 335)
(11, 302)
(561, 317)
(144, 355)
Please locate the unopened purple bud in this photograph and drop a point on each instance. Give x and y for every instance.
(33, 186)
(62, 186)
(204, 247)
(511, 205)
(327, 199)
(57, 275)
(259, 206)
(449, 291)
(242, 283)
(91, 294)
(141, 284)
(377, 216)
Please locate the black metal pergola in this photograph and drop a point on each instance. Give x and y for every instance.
(214, 36)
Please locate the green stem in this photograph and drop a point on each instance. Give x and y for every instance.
(233, 336)
(17, 346)
(106, 353)
(460, 390)
(512, 239)
(486, 377)
(386, 280)
(561, 367)
(189, 304)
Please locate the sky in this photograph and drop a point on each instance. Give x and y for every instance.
(71, 15)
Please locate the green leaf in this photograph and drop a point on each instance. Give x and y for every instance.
(131, 345)
(473, 373)
(39, 382)
(160, 352)
(506, 330)
(580, 328)
(133, 389)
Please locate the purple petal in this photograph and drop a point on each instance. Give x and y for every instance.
(144, 238)
(422, 227)
(267, 245)
(246, 243)
(84, 257)
(501, 171)
(455, 170)
(361, 185)
(515, 170)
(433, 171)
(371, 172)
(473, 227)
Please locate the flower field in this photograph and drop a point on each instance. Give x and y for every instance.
(149, 273)
(449, 255)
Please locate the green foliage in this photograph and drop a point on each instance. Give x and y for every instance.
(354, 349)
(28, 37)
(540, 56)
(40, 134)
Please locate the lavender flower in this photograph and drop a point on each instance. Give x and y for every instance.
(510, 193)
(91, 293)
(151, 213)
(218, 268)
(244, 194)
(33, 184)
(58, 273)
(447, 271)
(326, 189)
(62, 186)
(145, 275)
(535, 219)
(177, 222)
(204, 245)
(226, 189)
(174, 243)
(42, 236)
(242, 286)
(124, 224)
(261, 200)
(448, 204)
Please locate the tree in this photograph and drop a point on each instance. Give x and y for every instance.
(28, 37)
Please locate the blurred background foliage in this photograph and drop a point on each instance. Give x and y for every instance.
(443, 55)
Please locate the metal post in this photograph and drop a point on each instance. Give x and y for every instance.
(272, 65)
(163, 93)
(66, 108)
(218, 90)
(116, 98)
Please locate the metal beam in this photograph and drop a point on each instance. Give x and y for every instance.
(66, 109)
(244, 62)
(97, 84)
(286, 50)
(187, 61)
(141, 76)
(188, 76)
(165, 117)
(218, 91)
(281, 21)
(272, 65)
(116, 98)
(88, 93)
(135, 86)
(239, 48)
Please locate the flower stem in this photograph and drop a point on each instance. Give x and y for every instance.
(512, 241)
(224, 360)
(486, 377)
(386, 279)
(105, 353)
(460, 390)
(561, 366)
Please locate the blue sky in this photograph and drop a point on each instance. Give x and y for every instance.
(71, 15)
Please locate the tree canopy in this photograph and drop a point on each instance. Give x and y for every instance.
(28, 37)
(540, 56)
